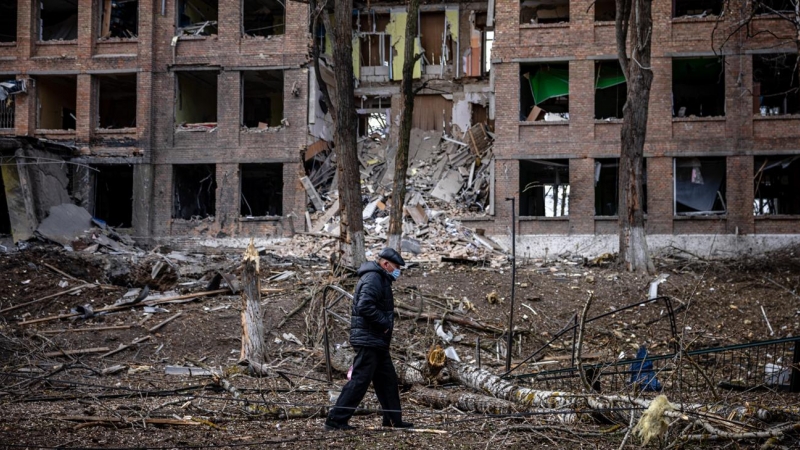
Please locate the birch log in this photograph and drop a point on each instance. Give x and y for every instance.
(253, 349)
(465, 401)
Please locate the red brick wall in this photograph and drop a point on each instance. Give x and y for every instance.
(738, 135)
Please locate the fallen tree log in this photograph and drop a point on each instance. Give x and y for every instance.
(465, 401)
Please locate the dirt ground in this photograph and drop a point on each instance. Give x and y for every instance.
(67, 401)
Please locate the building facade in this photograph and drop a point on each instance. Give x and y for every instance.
(191, 118)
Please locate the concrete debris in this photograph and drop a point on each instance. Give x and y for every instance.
(447, 179)
(65, 224)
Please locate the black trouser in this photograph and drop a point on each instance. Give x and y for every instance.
(370, 365)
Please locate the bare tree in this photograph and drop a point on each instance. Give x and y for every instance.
(343, 111)
(634, 23)
(401, 159)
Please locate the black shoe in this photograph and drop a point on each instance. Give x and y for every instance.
(400, 424)
(333, 426)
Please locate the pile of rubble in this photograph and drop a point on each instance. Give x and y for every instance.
(447, 180)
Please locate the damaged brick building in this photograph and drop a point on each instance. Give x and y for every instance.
(198, 118)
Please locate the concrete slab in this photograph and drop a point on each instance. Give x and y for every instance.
(65, 223)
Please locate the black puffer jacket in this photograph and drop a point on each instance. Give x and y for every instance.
(372, 317)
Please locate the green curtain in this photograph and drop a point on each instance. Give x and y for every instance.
(549, 83)
(608, 76)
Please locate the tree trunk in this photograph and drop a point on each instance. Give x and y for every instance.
(464, 401)
(401, 159)
(253, 349)
(352, 225)
(635, 15)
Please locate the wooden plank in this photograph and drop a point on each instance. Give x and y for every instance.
(166, 321)
(83, 330)
(22, 305)
(315, 148)
(312, 194)
(106, 32)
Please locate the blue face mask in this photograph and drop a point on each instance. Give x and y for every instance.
(395, 274)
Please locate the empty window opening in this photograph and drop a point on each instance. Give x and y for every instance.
(610, 90)
(262, 98)
(777, 185)
(477, 57)
(373, 117)
(5, 218)
(696, 8)
(606, 186)
(7, 108)
(698, 87)
(8, 21)
(544, 92)
(432, 113)
(58, 20)
(57, 102)
(544, 11)
(264, 18)
(113, 194)
(195, 190)
(375, 46)
(700, 186)
(774, 6)
(119, 19)
(262, 190)
(775, 86)
(544, 188)
(436, 40)
(196, 100)
(198, 17)
(117, 101)
(605, 10)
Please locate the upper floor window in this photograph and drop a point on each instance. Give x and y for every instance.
(610, 90)
(119, 19)
(263, 18)
(775, 84)
(698, 87)
(605, 10)
(196, 102)
(262, 98)
(700, 187)
(8, 21)
(777, 185)
(57, 102)
(544, 92)
(774, 7)
(544, 187)
(197, 17)
(544, 11)
(696, 8)
(58, 20)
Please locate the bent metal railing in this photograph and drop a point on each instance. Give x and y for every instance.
(338, 294)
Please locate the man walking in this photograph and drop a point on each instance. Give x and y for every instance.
(371, 327)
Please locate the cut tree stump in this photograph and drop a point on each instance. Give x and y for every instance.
(253, 349)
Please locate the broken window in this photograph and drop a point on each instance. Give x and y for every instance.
(5, 218)
(58, 20)
(196, 100)
(262, 190)
(544, 11)
(262, 98)
(544, 92)
(119, 19)
(696, 8)
(544, 188)
(700, 186)
(774, 6)
(8, 21)
(264, 17)
(605, 10)
(698, 87)
(606, 186)
(775, 85)
(116, 101)
(477, 58)
(7, 112)
(195, 190)
(777, 185)
(373, 116)
(198, 17)
(610, 90)
(375, 45)
(436, 40)
(56, 97)
(113, 194)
